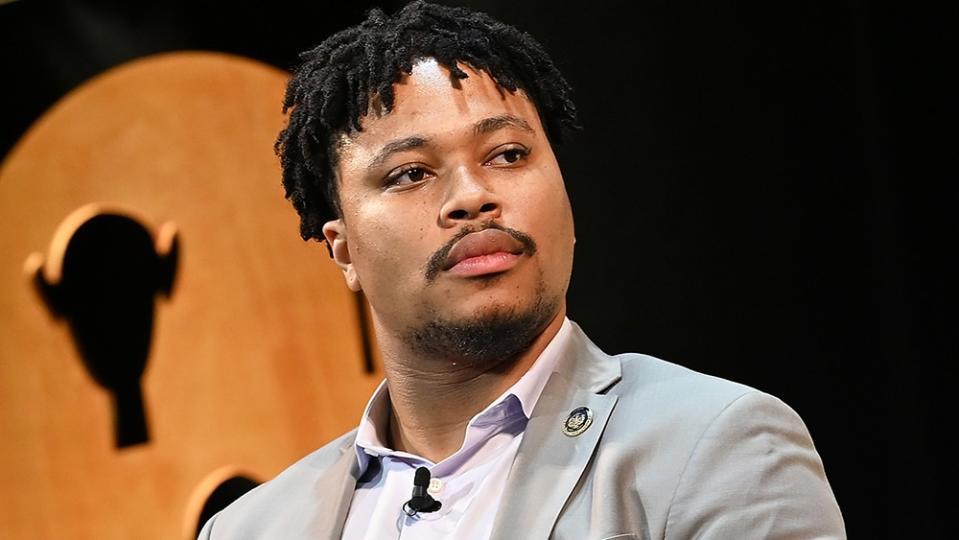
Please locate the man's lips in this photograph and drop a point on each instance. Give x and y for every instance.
(485, 252)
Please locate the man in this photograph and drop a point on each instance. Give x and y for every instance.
(419, 148)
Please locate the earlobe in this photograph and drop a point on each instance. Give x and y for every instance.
(336, 238)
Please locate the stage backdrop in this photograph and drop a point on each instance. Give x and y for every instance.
(163, 330)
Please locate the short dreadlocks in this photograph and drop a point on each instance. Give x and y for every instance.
(331, 89)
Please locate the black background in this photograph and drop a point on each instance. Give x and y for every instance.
(763, 191)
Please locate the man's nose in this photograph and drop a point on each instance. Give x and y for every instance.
(469, 198)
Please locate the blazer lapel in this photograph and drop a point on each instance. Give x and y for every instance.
(334, 492)
(549, 463)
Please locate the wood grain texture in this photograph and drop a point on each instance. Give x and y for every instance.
(256, 358)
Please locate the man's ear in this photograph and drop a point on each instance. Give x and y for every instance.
(338, 241)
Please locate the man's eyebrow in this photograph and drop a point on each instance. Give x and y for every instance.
(486, 125)
(393, 147)
(489, 125)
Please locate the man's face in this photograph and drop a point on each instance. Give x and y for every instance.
(444, 163)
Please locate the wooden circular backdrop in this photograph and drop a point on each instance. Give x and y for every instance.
(257, 355)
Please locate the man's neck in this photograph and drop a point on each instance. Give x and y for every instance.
(433, 400)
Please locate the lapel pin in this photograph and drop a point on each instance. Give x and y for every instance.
(578, 421)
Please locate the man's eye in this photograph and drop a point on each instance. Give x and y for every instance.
(509, 156)
(410, 175)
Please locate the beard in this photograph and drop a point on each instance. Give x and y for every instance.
(486, 339)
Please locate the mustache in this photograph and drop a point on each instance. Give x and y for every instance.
(438, 260)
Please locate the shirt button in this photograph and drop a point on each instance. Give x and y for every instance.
(436, 486)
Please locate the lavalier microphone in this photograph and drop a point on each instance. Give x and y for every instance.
(421, 500)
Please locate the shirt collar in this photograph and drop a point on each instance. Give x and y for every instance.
(370, 434)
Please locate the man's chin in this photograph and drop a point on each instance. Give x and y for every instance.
(487, 333)
(502, 304)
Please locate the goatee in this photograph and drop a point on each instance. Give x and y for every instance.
(486, 340)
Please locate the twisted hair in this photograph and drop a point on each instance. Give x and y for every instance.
(331, 89)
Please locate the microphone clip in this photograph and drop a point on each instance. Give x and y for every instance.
(421, 501)
(421, 504)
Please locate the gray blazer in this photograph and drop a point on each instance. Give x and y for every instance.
(671, 453)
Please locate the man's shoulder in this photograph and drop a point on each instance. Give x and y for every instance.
(667, 401)
(696, 449)
(284, 499)
(655, 378)
(654, 393)
(317, 461)
(644, 378)
(300, 475)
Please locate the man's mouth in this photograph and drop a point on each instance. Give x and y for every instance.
(490, 249)
(485, 252)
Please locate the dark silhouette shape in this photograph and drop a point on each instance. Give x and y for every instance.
(365, 332)
(109, 273)
(228, 491)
